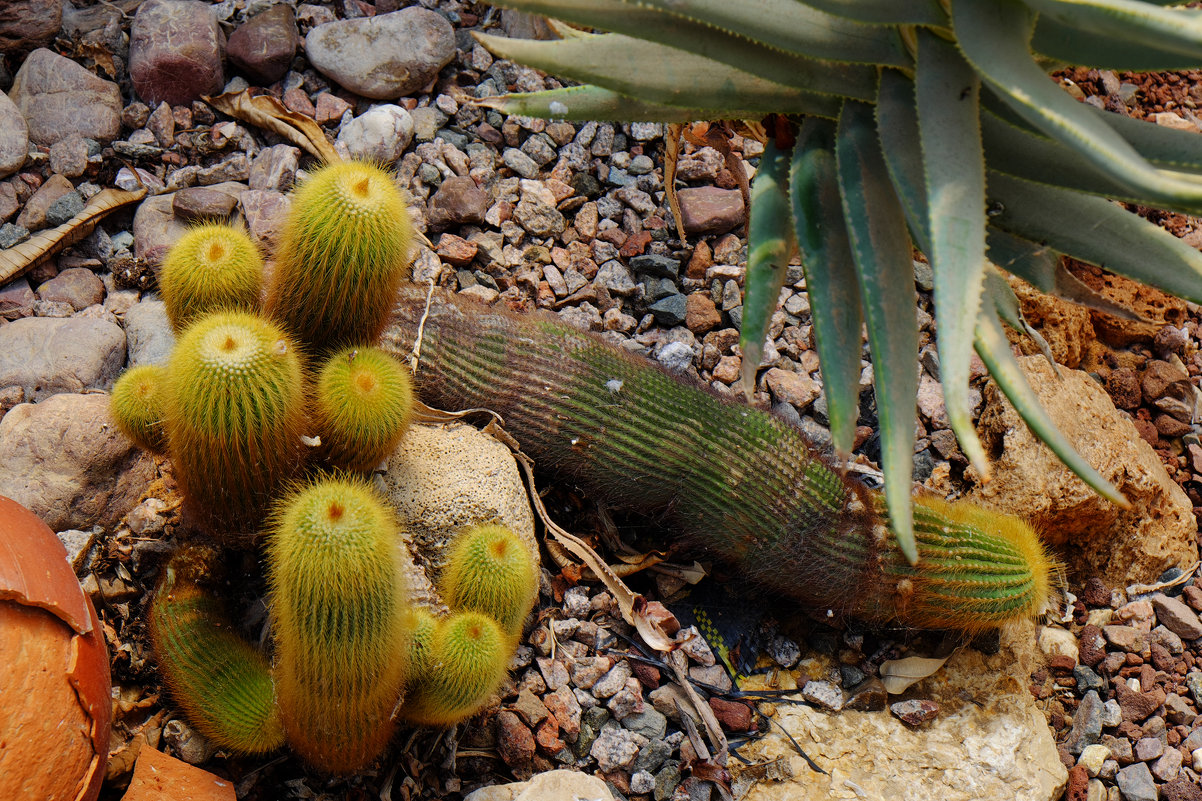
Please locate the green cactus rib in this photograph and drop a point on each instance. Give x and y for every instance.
(222, 682)
(361, 407)
(344, 249)
(741, 484)
(469, 656)
(490, 570)
(235, 414)
(339, 604)
(212, 267)
(137, 406)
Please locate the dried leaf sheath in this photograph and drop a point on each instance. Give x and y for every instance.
(743, 485)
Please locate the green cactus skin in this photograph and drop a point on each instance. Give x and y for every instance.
(741, 484)
(222, 683)
(340, 609)
(491, 571)
(344, 250)
(137, 406)
(212, 267)
(362, 404)
(235, 416)
(469, 659)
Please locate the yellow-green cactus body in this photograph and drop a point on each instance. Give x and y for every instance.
(491, 571)
(339, 606)
(137, 406)
(469, 658)
(235, 416)
(213, 267)
(362, 405)
(344, 250)
(222, 683)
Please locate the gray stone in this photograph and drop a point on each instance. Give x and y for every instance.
(657, 265)
(274, 169)
(676, 357)
(385, 56)
(613, 681)
(538, 218)
(616, 748)
(652, 755)
(46, 356)
(1148, 748)
(823, 693)
(670, 311)
(66, 461)
(1135, 782)
(175, 51)
(649, 723)
(380, 134)
(12, 235)
(520, 163)
(1087, 679)
(59, 98)
(14, 137)
(1177, 617)
(148, 333)
(69, 157)
(63, 209)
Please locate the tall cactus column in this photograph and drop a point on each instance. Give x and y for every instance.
(743, 485)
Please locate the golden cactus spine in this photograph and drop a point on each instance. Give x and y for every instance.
(235, 416)
(213, 267)
(469, 656)
(490, 570)
(339, 604)
(137, 406)
(362, 404)
(344, 250)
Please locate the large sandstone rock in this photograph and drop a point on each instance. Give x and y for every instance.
(443, 478)
(26, 24)
(60, 99)
(551, 785)
(990, 740)
(66, 461)
(175, 51)
(14, 137)
(1065, 326)
(1149, 303)
(1095, 536)
(48, 355)
(383, 57)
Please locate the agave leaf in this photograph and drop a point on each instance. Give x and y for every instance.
(994, 350)
(1175, 30)
(830, 276)
(1103, 234)
(881, 249)
(993, 36)
(1166, 147)
(1018, 151)
(954, 167)
(885, 12)
(673, 77)
(1065, 43)
(769, 245)
(585, 103)
(785, 26)
(897, 124)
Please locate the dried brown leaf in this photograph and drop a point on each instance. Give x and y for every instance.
(899, 674)
(23, 257)
(267, 112)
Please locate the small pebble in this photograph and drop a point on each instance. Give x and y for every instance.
(915, 712)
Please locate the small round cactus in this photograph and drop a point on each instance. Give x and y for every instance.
(212, 267)
(491, 571)
(469, 658)
(340, 608)
(222, 683)
(363, 399)
(235, 416)
(137, 406)
(344, 250)
(422, 625)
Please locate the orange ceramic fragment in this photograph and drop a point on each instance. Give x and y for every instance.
(55, 702)
(158, 776)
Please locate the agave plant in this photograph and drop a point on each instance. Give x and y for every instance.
(903, 123)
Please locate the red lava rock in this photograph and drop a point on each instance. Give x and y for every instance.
(1192, 594)
(733, 715)
(1137, 706)
(1180, 789)
(635, 244)
(1078, 784)
(915, 712)
(1062, 664)
(648, 675)
(1091, 645)
(515, 742)
(700, 261)
(1123, 387)
(547, 736)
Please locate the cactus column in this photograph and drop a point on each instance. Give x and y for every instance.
(740, 484)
